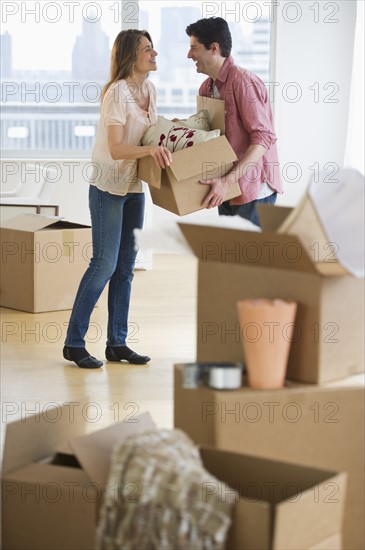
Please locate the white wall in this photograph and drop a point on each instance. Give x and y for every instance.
(314, 52)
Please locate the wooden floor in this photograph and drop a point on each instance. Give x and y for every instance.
(162, 324)
(162, 318)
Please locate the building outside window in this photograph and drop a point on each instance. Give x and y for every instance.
(55, 59)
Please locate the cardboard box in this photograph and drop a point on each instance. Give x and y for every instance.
(53, 504)
(280, 506)
(56, 502)
(328, 338)
(177, 187)
(321, 427)
(42, 261)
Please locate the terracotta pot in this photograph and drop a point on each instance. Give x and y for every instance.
(266, 332)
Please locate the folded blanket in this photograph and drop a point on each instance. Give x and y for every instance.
(157, 497)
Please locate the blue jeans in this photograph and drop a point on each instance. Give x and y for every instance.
(113, 218)
(248, 210)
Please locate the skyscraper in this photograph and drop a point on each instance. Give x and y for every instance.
(91, 54)
(6, 55)
(173, 45)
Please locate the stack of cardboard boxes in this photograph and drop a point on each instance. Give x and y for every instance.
(295, 456)
(313, 421)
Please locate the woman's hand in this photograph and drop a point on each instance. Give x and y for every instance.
(161, 155)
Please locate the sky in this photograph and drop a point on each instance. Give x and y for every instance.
(38, 28)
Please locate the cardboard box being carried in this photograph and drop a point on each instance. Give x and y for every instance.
(56, 502)
(328, 339)
(321, 427)
(177, 187)
(42, 261)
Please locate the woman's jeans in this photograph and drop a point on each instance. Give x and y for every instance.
(113, 218)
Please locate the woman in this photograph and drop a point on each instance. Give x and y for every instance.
(116, 198)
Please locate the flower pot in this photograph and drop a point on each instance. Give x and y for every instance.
(266, 332)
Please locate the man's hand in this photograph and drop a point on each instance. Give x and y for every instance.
(217, 193)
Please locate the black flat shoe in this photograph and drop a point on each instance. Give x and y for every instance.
(81, 358)
(124, 353)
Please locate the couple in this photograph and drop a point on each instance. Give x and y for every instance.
(116, 199)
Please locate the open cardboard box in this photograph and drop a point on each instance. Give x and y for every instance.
(54, 476)
(43, 259)
(280, 505)
(328, 338)
(177, 187)
(53, 504)
(319, 427)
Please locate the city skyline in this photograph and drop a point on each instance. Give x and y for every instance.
(91, 50)
(53, 110)
(59, 51)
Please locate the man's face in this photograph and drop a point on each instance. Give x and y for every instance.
(200, 55)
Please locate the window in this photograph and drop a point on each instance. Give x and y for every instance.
(55, 59)
(167, 20)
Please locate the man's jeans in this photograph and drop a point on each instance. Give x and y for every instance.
(248, 210)
(113, 219)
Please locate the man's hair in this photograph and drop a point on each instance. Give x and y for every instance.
(212, 29)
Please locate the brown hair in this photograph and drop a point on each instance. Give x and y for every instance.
(124, 54)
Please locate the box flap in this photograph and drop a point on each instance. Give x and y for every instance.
(149, 172)
(272, 216)
(329, 220)
(201, 159)
(216, 110)
(304, 223)
(36, 437)
(305, 520)
(332, 543)
(189, 162)
(30, 222)
(94, 450)
(232, 246)
(339, 205)
(283, 220)
(35, 222)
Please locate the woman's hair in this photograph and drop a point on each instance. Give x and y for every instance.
(124, 54)
(212, 29)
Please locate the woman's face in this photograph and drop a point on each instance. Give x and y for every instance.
(146, 57)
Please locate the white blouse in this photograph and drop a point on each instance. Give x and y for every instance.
(119, 107)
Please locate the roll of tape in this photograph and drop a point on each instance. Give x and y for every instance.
(225, 378)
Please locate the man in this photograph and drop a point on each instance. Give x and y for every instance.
(248, 121)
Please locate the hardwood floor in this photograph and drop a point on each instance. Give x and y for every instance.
(162, 324)
(162, 318)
